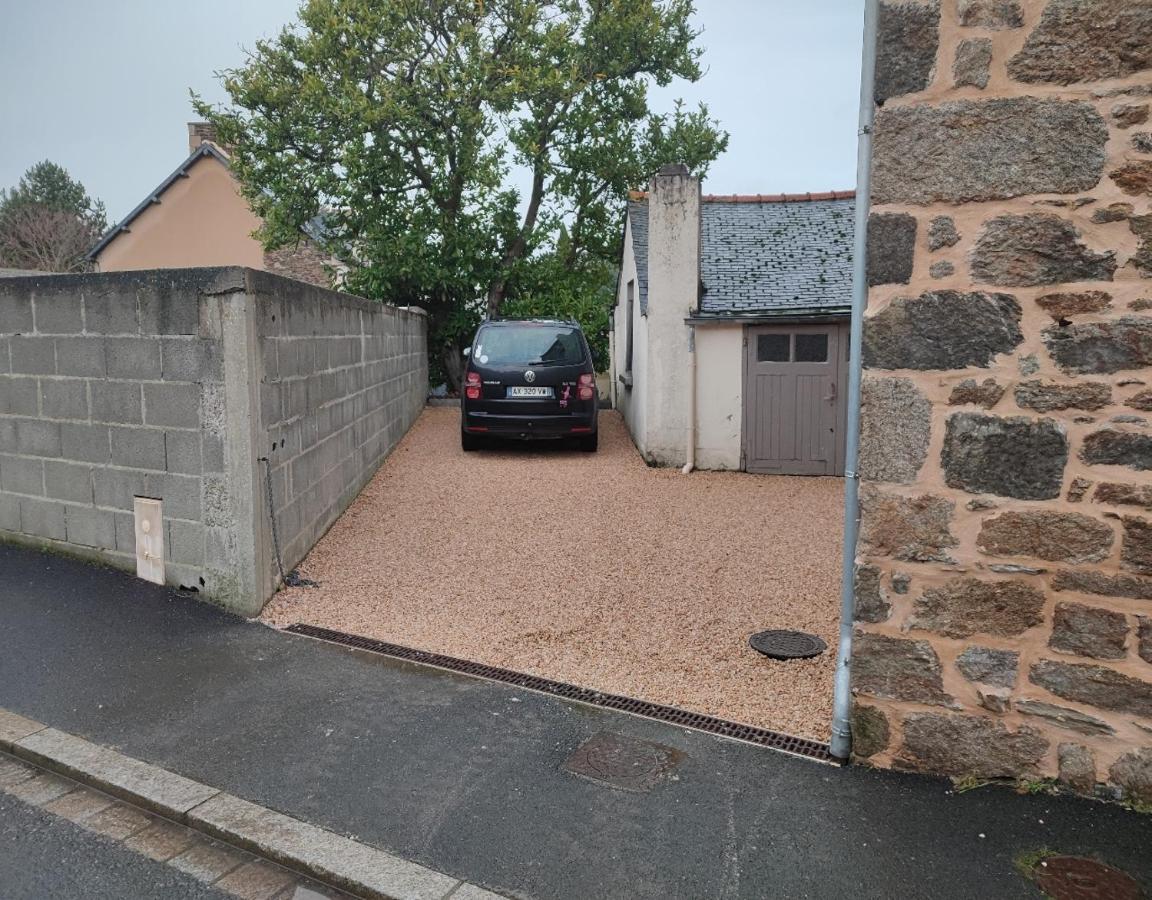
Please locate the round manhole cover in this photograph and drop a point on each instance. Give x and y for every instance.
(779, 644)
(1077, 878)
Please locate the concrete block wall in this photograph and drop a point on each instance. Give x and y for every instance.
(342, 380)
(161, 384)
(102, 385)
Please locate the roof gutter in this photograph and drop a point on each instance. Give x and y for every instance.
(841, 743)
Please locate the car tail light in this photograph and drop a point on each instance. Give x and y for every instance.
(586, 386)
(472, 386)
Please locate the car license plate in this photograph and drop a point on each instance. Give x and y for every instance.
(529, 391)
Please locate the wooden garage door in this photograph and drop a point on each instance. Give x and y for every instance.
(794, 399)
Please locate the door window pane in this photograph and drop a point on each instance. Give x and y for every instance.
(812, 348)
(772, 347)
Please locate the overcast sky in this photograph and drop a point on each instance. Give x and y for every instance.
(102, 88)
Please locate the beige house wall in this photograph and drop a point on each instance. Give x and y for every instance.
(719, 395)
(1003, 590)
(201, 220)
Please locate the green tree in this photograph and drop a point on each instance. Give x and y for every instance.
(48, 221)
(464, 152)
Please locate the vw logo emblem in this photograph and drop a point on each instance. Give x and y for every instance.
(529, 376)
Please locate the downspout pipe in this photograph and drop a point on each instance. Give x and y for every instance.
(690, 438)
(841, 743)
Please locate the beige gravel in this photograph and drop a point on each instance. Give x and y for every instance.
(589, 568)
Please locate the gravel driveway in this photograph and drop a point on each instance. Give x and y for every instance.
(589, 568)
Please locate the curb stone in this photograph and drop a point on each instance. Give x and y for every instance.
(308, 849)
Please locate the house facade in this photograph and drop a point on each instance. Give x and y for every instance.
(198, 217)
(730, 330)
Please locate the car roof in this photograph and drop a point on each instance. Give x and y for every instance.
(527, 321)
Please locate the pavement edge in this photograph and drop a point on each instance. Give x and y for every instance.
(312, 851)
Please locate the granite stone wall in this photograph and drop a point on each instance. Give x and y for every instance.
(1004, 585)
(184, 385)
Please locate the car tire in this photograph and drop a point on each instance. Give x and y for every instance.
(589, 442)
(469, 442)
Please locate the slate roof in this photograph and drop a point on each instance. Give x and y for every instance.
(766, 255)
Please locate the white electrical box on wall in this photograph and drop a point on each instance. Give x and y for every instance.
(149, 540)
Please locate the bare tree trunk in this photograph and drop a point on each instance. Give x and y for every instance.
(452, 356)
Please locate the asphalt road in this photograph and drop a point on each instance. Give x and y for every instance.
(466, 776)
(42, 856)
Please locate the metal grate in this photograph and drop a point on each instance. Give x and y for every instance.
(786, 743)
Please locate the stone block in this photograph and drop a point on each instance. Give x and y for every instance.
(895, 427)
(185, 542)
(1126, 115)
(908, 528)
(1093, 685)
(970, 746)
(1044, 397)
(871, 604)
(138, 448)
(18, 396)
(1134, 178)
(1036, 248)
(190, 359)
(167, 308)
(58, 312)
(132, 357)
(1136, 551)
(1144, 638)
(38, 438)
(1141, 141)
(64, 398)
(1132, 773)
(1130, 586)
(966, 606)
(1101, 347)
(1056, 536)
(118, 488)
(170, 405)
(42, 518)
(1063, 717)
(22, 476)
(891, 248)
(996, 14)
(15, 311)
(989, 666)
(941, 269)
(84, 443)
(1124, 494)
(898, 669)
(68, 481)
(1077, 768)
(1077, 41)
(1025, 145)
(871, 733)
(1142, 400)
(1141, 260)
(906, 44)
(32, 355)
(1009, 457)
(88, 527)
(117, 402)
(125, 532)
(942, 233)
(182, 452)
(111, 312)
(9, 511)
(1060, 306)
(986, 393)
(1089, 631)
(80, 356)
(1113, 212)
(942, 330)
(1117, 448)
(180, 493)
(970, 67)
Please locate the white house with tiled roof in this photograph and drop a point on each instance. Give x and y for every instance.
(730, 330)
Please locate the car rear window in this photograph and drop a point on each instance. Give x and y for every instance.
(528, 345)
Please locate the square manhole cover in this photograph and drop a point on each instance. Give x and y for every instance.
(623, 762)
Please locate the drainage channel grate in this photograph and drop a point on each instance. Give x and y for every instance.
(787, 743)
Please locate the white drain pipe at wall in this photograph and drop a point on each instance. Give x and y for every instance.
(690, 441)
(841, 744)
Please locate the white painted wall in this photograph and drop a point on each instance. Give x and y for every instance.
(719, 395)
(673, 293)
(630, 401)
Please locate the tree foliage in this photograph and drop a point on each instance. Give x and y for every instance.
(48, 221)
(464, 152)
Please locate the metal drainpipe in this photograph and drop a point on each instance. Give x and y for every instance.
(841, 744)
(691, 436)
